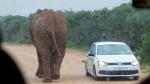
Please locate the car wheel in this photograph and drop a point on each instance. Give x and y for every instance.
(94, 74)
(135, 77)
(87, 73)
(86, 70)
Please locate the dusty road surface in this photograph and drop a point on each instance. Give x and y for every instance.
(72, 70)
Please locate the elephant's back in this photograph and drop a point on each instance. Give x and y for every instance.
(50, 20)
(60, 22)
(43, 21)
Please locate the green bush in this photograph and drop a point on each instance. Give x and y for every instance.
(145, 49)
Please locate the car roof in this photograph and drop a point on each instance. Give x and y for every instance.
(106, 43)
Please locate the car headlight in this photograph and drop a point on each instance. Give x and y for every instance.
(101, 63)
(134, 63)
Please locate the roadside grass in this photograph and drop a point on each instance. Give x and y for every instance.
(145, 68)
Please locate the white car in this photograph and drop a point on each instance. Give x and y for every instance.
(111, 59)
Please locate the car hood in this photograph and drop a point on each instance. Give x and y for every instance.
(117, 58)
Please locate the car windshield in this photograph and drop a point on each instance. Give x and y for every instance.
(115, 49)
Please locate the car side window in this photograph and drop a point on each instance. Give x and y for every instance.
(93, 49)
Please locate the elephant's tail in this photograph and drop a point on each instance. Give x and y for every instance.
(52, 35)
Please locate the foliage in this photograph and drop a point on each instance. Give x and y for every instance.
(145, 49)
(15, 29)
(123, 23)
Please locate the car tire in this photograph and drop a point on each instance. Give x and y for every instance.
(86, 70)
(135, 77)
(94, 74)
(87, 73)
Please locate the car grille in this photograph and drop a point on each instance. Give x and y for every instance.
(124, 63)
(125, 72)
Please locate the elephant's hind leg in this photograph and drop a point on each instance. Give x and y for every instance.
(47, 72)
(55, 74)
(58, 62)
(39, 72)
(61, 43)
(44, 55)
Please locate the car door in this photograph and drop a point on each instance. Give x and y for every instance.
(91, 56)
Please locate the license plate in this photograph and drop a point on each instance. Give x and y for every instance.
(120, 68)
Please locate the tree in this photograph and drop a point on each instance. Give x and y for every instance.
(145, 49)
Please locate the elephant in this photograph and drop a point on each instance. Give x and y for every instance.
(49, 35)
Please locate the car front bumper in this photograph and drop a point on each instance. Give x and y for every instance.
(118, 71)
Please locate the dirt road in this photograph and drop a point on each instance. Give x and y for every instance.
(72, 70)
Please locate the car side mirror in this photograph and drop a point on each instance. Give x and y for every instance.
(134, 53)
(91, 54)
(138, 57)
(83, 61)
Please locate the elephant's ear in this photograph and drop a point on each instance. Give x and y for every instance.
(38, 11)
